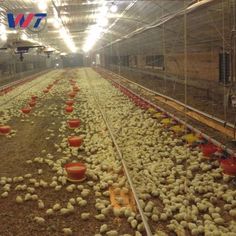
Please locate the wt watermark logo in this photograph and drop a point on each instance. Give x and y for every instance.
(32, 21)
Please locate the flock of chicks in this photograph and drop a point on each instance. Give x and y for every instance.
(177, 187)
(179, 192)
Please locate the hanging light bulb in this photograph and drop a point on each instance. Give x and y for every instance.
(42, 5)
(114, 8)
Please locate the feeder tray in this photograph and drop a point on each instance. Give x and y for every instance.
(229, 166)
(69, 102)
(5, 129)
(32, 103)
(75, 141)
(26, 110)
(72, 94)
(75, 89)
(190, 138)
(158, 115)
(166, 121)
(76, 180)
(74, 123)
(177, 129)
(69, 109)
(33, 97)
(209, 149)
(152, 110)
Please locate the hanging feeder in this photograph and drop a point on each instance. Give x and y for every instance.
(75, 172)
(69, 109)
(74, 123)
(32, 103)
(208, 149)
(5, 129)
(152, 110)
(158, 115)
(75, 89)
(72, 94)
(178, 129)
(69, 102)
(229, 166)
(72, 82)
(26, 110)
(144, 105)
(190, 138)
(75, 141)
(166, 121)
(33, 97)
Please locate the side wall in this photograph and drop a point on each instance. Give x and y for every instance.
(200, 66)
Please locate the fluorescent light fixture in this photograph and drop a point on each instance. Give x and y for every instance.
(95, 32)
(11, 31)
(63, 31)
(65, 35)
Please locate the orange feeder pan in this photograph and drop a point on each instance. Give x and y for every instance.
(72, 81)
(69, 109)
(5, 129)
(75, 89)
(34, 97)
(32, 103)
(229, 166)
(72, 95)
(74, 123)
(69, 102)
(75, 171)
(26, 110)
(75, 141)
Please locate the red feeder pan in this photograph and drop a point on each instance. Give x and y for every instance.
(208, 149)
(32, 103)
(75, 141)
(69, 109)
(34, 97)
(74, 123)
(72, 94)
(75, 171)
(69, 102)
(26, 110)
(5, 129)
(229, 166)
(72, 81)
(76, 89)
